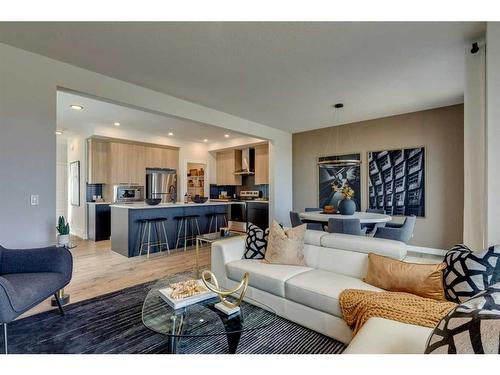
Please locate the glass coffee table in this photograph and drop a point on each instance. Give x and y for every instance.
(201, 319)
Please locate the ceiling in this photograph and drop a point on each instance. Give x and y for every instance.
(285, 75)
(98, 117)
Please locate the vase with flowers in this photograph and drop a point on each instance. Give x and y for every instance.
(347, 206)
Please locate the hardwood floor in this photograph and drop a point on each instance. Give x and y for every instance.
(97, 270)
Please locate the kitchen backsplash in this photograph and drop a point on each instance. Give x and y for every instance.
(248, 183)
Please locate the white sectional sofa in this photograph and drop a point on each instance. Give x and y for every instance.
(308, 295)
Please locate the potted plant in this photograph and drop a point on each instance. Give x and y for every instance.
(347, 206)
(63, 230)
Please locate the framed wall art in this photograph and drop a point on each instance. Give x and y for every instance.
(396, 181)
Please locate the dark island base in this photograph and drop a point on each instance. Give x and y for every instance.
(125, 226)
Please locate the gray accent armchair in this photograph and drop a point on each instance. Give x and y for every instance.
(346, 226)
(399, 232)
(28, 277)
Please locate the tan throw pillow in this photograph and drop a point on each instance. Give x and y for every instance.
(424, 280)
(286, 246)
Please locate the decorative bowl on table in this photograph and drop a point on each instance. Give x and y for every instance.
(198, 199)
(152, 201)
(329, 210)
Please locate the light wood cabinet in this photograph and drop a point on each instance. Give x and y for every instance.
(262, 164)
(227, 162)
(98, 161)
(158, 157)
(113, 161)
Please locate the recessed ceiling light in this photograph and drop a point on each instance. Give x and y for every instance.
(205, 140)
(226, 135)
(116, 124)
(76, 107)
(59, 132)
(170, 133)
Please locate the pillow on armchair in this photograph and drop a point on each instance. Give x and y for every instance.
(467, 273)
(471, 328)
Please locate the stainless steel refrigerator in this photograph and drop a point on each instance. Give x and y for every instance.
(161, 183)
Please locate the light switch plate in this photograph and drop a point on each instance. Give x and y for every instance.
(35, 198)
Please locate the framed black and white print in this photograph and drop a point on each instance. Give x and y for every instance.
(396, 181)
(339, 170)
(74, 183)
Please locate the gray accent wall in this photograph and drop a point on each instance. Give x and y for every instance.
(440, 131)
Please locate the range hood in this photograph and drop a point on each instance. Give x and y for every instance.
(245, 164)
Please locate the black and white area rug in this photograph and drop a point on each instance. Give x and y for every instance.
(112, 324)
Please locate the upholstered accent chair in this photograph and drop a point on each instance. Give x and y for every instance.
(28, 277)
(346, 226)
(399, 232)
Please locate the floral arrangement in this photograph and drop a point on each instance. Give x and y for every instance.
(345, 190)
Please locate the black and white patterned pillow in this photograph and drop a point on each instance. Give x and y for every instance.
(256, 242)
(472, 327)
(467, 273)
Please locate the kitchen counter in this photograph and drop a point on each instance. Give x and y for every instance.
(98, 203)
(126, 227)
(142, 205)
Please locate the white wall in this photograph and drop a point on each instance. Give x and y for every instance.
(28, 149)
(77, 215)
(475, 210)
(62, 179)
(493, 132)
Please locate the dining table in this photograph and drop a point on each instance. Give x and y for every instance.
(364, 217)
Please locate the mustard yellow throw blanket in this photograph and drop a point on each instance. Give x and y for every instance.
(360, 305)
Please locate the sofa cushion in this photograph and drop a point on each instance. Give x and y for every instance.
(384, 336)
(264, 276)
(424, 280)
(365, 244)
(469, 272)
(471, 328)
(26, 289)
(320, 289)
(255, 242)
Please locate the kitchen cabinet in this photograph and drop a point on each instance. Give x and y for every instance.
(160, 157)
(112, 161)
(227, 162)
(98, 161)
(261, 164)
(99, 221)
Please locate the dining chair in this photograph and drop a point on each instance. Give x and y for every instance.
(295, 219)
(399, 232)
(372, 227)
(314, 226)
(345, 226)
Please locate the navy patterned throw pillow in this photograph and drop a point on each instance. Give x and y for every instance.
(256, 242)
(467, 273)
(471, 328)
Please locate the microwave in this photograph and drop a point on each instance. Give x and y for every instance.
(128, 193)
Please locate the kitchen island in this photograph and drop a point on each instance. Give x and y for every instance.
(125, 226)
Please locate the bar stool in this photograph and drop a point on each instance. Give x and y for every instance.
(186, 221)
(216, 216)
(158, 225)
